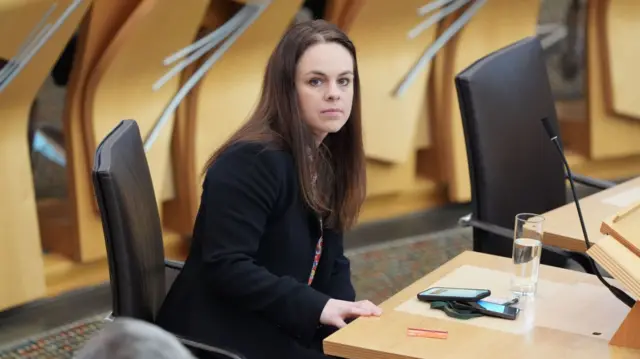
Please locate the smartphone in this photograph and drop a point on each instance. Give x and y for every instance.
(450, 294)
(495, 310)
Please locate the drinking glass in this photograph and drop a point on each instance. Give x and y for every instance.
(527, 250)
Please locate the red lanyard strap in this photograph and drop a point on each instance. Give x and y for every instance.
(318, 254)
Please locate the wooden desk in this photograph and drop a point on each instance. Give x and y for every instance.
(562, 225)
(553, 326)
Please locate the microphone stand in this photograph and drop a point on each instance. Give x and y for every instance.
(618, 293)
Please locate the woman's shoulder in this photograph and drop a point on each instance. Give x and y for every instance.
(251, 155)
(253, 151)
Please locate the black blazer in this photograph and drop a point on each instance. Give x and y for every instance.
(244, 283)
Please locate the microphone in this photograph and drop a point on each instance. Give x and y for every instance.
(618, 293)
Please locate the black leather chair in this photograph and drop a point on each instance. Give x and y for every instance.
(513, 165)
(132, 230)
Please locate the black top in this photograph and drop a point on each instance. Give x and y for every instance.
(244, 283)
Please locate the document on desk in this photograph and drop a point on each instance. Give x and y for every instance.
(624, 199)
(577, 308)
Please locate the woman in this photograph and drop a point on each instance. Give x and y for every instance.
(266, 276)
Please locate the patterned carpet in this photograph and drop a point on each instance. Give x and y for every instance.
(58, 343)
(378, 272)
(382, 270)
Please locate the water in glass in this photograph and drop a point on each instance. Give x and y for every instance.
(526, 262)
(527, 250)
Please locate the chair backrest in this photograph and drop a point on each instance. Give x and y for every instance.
(513, 166)
(131, 223)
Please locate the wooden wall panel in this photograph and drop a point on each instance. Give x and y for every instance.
(120, 86)
(611, 135)
(21, 265)
(73, 227)
(622, 52)
(385, 55)
(179, 212)
(423, 132)
(343, 12)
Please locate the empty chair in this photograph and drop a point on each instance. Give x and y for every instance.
(514, 168)
(132, 229)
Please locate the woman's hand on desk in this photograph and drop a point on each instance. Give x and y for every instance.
(335, 312)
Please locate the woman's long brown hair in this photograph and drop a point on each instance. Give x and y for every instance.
(339, 161)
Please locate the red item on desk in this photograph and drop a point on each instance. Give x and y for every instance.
(427, 333)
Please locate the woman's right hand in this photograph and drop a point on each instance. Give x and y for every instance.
(335, 312)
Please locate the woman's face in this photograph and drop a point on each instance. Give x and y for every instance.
(324, 83)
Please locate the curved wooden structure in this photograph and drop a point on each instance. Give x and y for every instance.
(73, 228)
(391, 124)
(180, 210)
(385, 54)
(497, 24)
(21, 265)
(343, 12)
(120, 86)
(77, 231)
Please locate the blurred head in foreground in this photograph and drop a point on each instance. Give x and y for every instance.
(127, 338)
